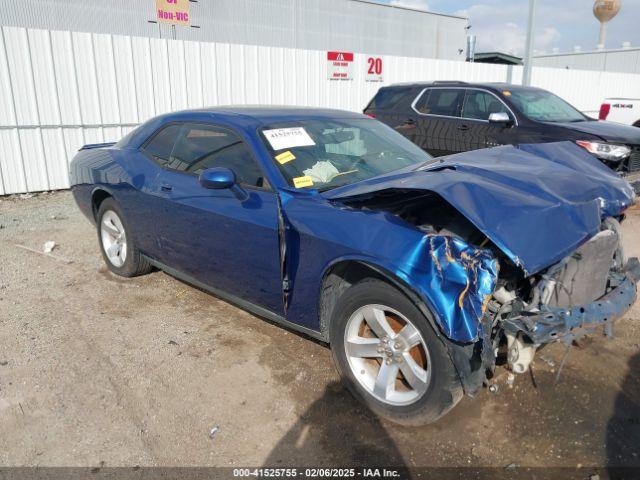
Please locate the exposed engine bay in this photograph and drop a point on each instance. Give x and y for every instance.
(583, 293)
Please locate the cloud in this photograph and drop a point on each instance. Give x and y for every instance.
(501, 27)
(547, 38)
(416, 4)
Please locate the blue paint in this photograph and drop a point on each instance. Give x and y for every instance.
(536, 203)
(217, 178)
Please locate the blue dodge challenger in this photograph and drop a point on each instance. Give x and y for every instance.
(418, 272)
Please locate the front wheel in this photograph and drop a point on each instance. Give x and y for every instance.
(390, 357)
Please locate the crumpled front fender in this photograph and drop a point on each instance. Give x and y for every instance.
(458, 280)
(452, 278)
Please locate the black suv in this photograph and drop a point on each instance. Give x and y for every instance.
(451, 117)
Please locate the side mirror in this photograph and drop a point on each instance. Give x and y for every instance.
(221, 178)
(217, 178)
(500, 118)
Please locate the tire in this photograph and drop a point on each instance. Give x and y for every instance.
(438, 386)
(124, 259)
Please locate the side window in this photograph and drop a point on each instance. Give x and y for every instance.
(387, 98)
(441, 101)
(161, 145)
(199, 147)
(479, 105)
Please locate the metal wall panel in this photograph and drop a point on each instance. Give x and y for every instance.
(350, 25)
(620, 61)
(586, 89)
(64, 89)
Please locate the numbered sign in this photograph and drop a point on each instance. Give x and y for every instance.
(374, 69)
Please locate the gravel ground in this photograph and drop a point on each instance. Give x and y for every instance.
(98, 370)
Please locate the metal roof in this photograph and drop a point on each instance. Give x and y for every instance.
(497, 57)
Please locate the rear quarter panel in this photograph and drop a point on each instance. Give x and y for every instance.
(128, 177)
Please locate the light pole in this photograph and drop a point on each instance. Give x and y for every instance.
(528, 48)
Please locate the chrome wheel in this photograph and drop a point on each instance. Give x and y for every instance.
(114, 239)
(387, 355)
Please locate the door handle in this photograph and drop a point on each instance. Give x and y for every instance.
(463, 128)
(165, 187)
(410, 121)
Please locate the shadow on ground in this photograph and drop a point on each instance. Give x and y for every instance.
(623, 429)
(336, 431)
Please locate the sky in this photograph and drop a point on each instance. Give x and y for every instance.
(500, 25)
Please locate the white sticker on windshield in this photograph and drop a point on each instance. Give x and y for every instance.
(281, 138)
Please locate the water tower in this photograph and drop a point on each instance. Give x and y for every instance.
(605, 10)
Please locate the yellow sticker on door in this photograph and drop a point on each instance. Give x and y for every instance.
(300, 182)
(285, 157)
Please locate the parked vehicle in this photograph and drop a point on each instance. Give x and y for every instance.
(621, 110)
(452, 117)
(416, 271)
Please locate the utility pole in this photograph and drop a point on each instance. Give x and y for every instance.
(528, 49)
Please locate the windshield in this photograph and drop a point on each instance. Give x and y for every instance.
(325, 154)
(544, 106)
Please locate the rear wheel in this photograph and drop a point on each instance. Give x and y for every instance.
(390, 357)
(116, 243)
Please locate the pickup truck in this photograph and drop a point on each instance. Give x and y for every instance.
(621, 110)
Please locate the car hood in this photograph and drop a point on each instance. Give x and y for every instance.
(609, 131)
(537, 203)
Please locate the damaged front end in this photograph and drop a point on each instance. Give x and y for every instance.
(584, 293)
(484, 301)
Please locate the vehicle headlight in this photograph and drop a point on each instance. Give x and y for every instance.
(606, 151)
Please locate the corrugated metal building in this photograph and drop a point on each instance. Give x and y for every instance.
(624, 60)
(345, 25)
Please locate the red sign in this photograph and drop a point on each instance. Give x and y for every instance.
(340, 56)
(339, 65)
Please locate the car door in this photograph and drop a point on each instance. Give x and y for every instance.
(218, 237)
(139, 203)
(392, 106)
(438, 121)
(475, 129)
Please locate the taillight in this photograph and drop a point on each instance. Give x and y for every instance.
(605, 108)
(372, 115)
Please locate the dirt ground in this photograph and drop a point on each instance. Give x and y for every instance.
(97, 370)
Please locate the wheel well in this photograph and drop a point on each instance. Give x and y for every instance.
(341, 276)
(97, 198)
(637, 124)
(466, 358)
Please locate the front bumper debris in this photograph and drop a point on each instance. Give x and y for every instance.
(550, 324)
